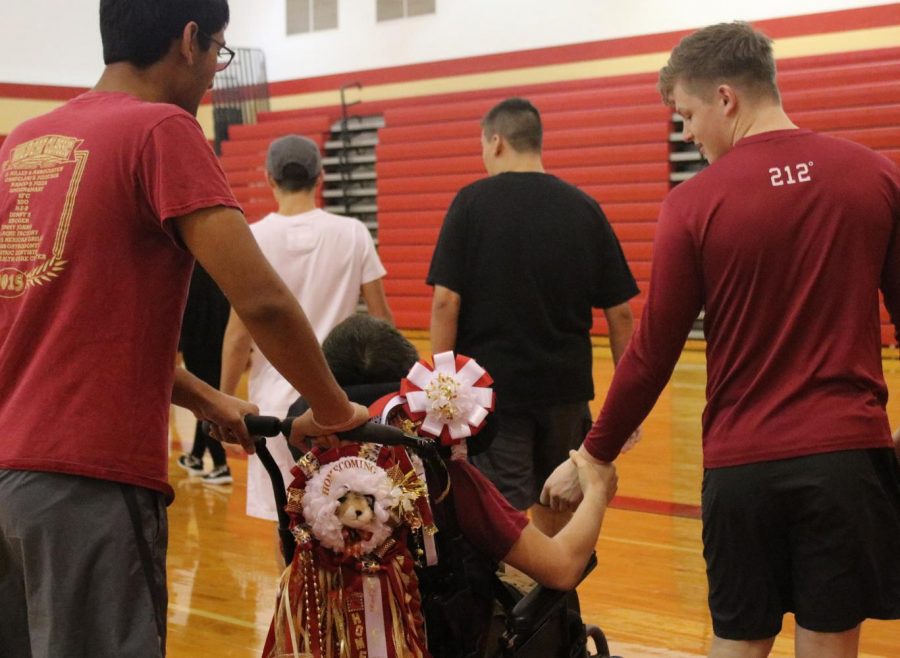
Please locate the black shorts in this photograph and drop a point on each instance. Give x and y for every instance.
(818, 536)
(530, 443)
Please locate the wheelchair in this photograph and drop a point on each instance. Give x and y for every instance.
(542, 623)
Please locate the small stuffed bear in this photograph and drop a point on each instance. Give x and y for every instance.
(355, 512)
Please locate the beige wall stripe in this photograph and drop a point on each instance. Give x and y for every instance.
(13, 110)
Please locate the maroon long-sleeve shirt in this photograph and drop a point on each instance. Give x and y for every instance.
(785, 242)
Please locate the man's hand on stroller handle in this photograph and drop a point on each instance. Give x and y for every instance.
(241, 424)
(305, 425)
(223, 419)
(269, 426)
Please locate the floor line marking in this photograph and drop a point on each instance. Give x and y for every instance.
(636, 542)
(654, 506)
(212, 615)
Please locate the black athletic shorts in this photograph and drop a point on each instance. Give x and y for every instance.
(818, 536)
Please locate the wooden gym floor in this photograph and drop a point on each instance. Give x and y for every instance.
(648, 593)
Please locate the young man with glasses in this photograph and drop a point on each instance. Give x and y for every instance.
(111, 197)
(224, 56)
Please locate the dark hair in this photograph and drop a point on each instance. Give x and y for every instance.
(518, 122)
(366, 350)
(363, 350)
(141, 31)
(731, 53)
(295, 178)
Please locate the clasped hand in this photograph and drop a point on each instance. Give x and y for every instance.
(579, 476)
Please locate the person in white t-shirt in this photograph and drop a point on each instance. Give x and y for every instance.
(327, 261)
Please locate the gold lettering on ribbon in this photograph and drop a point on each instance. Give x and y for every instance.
(344, 464)
(30, 168)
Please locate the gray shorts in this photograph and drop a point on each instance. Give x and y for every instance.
(530, 443)
(72, 541)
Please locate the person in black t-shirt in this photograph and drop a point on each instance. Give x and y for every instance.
(202, 331)
(521, 260)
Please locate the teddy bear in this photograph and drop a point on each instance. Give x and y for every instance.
(351, 588)
(347, 504)
(356, 512)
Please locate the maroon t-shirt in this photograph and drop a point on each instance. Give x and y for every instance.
(785, 242)
(93, 281)
(485, 517)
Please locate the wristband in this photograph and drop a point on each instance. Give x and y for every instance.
(338, 427)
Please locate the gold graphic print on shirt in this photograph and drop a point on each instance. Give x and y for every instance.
(30, 169)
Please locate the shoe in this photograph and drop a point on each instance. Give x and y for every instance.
(191, 464)
(219, 475)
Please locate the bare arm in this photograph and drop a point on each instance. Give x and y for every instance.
(236, 347)
(444, 319)
(376, 301)
(558, 562)
(621, 326)
(221, 241)
(208, 404)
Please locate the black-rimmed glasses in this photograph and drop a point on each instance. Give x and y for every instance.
(225, 55)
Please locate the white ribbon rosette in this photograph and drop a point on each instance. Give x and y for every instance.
(451, 398)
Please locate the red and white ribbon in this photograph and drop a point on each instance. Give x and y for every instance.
(449, 397)
(376, 631)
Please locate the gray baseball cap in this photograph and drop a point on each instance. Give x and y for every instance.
(293, 149)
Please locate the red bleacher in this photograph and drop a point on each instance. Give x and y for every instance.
(609, 136)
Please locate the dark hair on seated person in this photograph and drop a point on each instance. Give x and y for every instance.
(141, 31)
(366, 350)
(363, 350)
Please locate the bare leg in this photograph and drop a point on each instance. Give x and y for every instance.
(809, 644)
(548, 521)
(740, 649)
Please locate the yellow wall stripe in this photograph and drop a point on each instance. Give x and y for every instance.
(819, 44)
(475, 81)
(13, 110)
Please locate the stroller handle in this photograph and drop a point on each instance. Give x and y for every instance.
(367, 433)
(263, 425)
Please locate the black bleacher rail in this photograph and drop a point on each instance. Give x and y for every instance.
(240, 92)
(344, 160)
